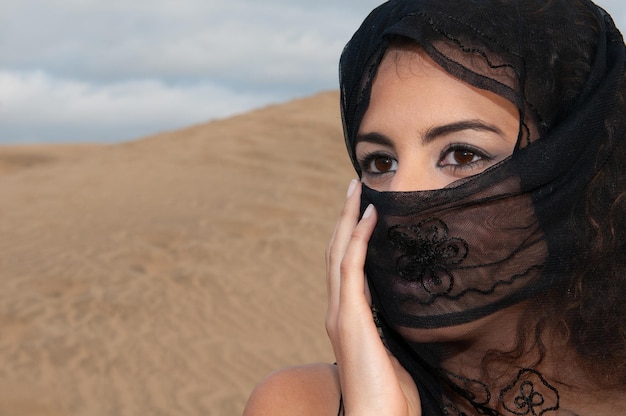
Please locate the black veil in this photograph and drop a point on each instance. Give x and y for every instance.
(523, 230)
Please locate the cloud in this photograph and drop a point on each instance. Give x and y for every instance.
(113, 70)
(268, 42)
(37, 107)
(617, 10)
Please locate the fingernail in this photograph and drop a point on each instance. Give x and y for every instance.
(351, 188)
(368, 211)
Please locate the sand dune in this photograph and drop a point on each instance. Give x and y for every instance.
(166, 276)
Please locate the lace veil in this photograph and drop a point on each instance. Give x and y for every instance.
(530, 230)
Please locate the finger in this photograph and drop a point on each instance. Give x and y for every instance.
(352, 188)
(355, 324)
(338, 244)
(348, 219)
(352, 289)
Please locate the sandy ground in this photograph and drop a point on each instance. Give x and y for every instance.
(168, 275)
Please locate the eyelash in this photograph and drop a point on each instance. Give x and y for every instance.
(456, 147)
(366, 160)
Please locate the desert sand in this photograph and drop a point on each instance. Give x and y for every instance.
(167, 275)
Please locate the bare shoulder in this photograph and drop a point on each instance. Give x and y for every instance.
(305, 390)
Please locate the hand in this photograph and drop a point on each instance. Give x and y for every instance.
(372, 381)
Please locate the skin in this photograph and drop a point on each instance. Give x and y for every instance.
(423, 130)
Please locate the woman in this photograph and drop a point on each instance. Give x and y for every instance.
(487, 271)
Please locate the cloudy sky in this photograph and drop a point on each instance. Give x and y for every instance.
(112, 70)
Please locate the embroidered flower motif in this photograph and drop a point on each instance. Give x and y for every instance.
(429, 256)
(475, 391)
(529, 394)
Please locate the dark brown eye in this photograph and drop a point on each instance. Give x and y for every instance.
(382, 164)
(378, 163)
(463, 157)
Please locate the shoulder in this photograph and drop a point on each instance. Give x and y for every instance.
(305, 390)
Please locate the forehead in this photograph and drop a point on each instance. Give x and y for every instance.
(409, 86)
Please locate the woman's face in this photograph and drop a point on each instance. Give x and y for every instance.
(424, 129)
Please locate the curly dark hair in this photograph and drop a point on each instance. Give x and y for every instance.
(590, 307)
(562, 63)
(597, 308)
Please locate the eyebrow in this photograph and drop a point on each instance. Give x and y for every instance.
(374, 138)
(434, 132)
(479, 125)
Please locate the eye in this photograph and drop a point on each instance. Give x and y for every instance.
(382, 164)
(461, 155)
(377, 163)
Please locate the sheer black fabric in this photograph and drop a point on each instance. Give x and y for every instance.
(516, 232)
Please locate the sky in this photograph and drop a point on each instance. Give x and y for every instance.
(116, 70)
